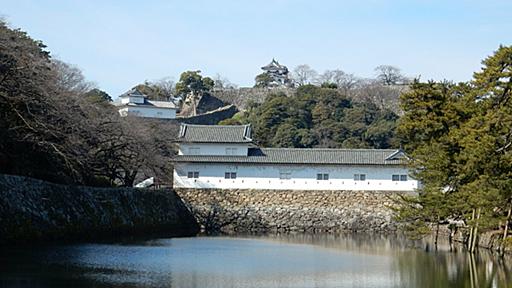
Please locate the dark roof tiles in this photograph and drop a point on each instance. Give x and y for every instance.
(215, 133)
(303, 156)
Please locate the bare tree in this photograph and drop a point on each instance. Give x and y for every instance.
(165, 87)
(303, 74)
(221, 83)
(71, 78)
(372, 91)
(50, 130)
(343, 81)
(389, 75)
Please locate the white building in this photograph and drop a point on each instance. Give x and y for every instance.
(226, 157)
(134, 103)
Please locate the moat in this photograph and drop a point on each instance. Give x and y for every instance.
(300, 260)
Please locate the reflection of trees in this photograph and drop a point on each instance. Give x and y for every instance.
(416, 263)
(366, 243)
(443, 269)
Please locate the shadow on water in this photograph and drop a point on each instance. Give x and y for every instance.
(277, 260)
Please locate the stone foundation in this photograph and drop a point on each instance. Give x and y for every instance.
(285, 210)
(33, 210)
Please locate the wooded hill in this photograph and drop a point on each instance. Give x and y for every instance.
(319, 117)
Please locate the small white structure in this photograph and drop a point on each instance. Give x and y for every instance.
(146, 183)
(226, 157)
(134, 103)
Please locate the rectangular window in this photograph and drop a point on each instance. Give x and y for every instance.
(231, 151)
(322, 176)
(285, 175)
(359, 177)
(194, 150)
(230, 175)
(193, 174)
(396, 177)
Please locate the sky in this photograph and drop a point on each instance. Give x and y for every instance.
(119, 44)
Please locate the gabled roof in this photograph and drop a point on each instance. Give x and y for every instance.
(134, 92)
(398, 155)
(273, 65)
(158, 104)
(148, 104)
(215, 133)
(303, 156)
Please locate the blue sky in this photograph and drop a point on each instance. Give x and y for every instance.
(119, 44)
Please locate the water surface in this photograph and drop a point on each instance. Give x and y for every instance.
(357, 260)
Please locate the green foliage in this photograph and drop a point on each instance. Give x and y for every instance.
(262, 80)
(192, 82)
(230, 121)
(460, 137)
(98, 96)
(329, 85)
(320, 117)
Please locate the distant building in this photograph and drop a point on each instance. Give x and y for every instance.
(226, 157)
(135, 103)
(278, 73)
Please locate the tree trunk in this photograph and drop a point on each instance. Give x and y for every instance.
(470, 238)
(437, 234)
(475, 233)
(505, 230)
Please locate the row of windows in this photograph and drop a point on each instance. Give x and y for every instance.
(359, 177)
(397, 177)
(288, 175)
(322, 176)
(230, 175)
(193, 174)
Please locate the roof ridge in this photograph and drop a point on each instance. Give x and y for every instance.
(329, 149)
(217, 126)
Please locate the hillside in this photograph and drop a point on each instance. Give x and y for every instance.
(312, 116)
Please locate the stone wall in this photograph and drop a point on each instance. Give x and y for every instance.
(241, 97)
(287, 210)
(212, 117)
(33, 210)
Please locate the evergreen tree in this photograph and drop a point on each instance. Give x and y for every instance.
(460, 137)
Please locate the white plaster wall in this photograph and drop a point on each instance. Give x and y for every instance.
(213, 148)
(302, 177)
(130, 99)
(149, 112)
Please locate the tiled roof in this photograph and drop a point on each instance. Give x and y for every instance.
(273, 65)
(134, 92)
(159, 104)
(148, 104)
(215, 133)
(304, 156)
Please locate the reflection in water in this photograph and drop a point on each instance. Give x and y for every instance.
(300, 260)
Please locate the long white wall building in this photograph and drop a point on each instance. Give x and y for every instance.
(226, 157)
